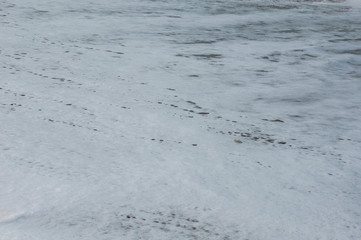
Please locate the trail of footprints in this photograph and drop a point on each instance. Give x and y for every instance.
(21, 55)
(39, 102)
(194, 109)
(241, 136)
(140, 222)
(179, 225)
(58, 80)
(115, 53)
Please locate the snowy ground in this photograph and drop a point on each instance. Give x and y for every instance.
(180, 119)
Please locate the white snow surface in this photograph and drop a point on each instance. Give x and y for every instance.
(180, 119)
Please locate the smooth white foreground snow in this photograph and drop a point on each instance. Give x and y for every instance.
(180, 119)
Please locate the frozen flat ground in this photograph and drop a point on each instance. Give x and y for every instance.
(180, 119)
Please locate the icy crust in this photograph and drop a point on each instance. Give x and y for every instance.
(180, 120)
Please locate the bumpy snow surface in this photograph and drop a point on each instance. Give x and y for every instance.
(180, 119)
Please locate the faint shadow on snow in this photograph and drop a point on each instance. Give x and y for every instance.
(9, 216)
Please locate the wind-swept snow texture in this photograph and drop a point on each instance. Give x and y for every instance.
(180, 119)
